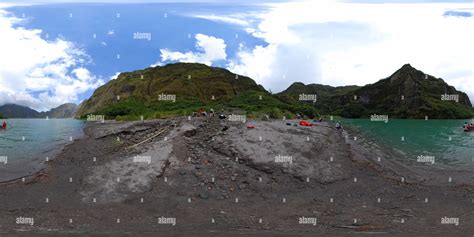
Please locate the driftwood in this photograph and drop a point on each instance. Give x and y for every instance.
(155, 135)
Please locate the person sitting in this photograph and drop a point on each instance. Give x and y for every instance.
(464, 125)
(338, 125)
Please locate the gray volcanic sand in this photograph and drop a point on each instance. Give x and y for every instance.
(219, 178)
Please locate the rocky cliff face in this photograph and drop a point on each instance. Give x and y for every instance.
(407, 93)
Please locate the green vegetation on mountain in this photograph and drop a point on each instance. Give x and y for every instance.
(183, 88)
(1, 116)
(408, 93)
(180, 89)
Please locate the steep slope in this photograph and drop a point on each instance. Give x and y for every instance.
(410, 93)
(329, 99)
(67, 110)
(407, 93)
(187, 84)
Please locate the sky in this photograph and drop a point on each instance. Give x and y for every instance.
(61, 52)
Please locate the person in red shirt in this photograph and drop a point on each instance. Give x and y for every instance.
(4, 125)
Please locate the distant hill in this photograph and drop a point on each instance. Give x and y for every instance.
(407, 93)
(17, 111)
(67, 110)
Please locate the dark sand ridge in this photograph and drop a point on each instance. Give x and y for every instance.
(207, 169)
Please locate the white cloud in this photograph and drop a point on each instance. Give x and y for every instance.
(38, 73)
(209, 49)
(352, 43)
(115, 76)
(237, 20)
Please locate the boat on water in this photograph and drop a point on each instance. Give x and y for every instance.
(468, 127)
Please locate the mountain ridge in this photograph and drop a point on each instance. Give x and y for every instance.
(407, 93)
(182, 88)
(66, 110)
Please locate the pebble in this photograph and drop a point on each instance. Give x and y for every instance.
(242, 186)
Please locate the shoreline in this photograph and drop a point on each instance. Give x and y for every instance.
(37, 164)
(213, 163)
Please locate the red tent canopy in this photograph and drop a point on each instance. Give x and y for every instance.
(305, 123)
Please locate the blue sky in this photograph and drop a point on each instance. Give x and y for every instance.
(60, 52)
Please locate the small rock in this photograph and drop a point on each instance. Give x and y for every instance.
(190, 133)
(203, 196)
(197, 174)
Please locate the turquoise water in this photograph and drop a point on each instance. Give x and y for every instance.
(27, 139)
(443, 139)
